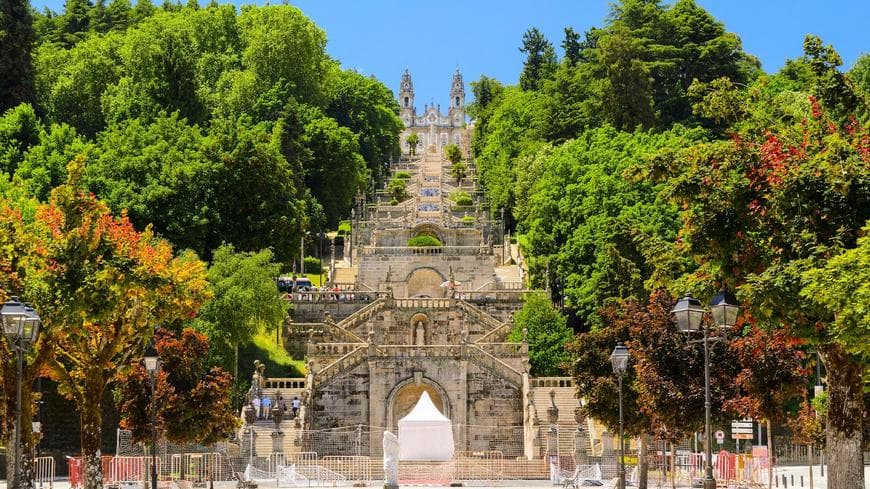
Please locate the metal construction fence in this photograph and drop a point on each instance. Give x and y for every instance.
(354, 454)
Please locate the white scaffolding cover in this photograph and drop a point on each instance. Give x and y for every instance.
(425, 433)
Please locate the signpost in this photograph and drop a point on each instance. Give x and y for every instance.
(741, 430)
(720, 437)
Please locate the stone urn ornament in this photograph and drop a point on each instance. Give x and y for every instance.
(277, 418)
(553, 411)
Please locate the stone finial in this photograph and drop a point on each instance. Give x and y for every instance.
(327, 318)
(277, 418)
(310, 336)
(553, 410)
(249, 416)
(389, 277)
(525, 336)
(311, 367)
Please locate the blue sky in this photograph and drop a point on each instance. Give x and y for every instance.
(433, 38)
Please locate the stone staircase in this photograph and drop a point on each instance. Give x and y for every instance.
(344, 275)
(564, 390)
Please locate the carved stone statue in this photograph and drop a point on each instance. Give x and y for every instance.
(420, 334)
(258, 379)
(391, 461)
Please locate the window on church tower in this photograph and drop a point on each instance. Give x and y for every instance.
(457, 101)
(406, 101)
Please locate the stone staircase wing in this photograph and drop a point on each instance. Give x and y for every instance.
(345, 363)
(361, 316)
(494, 365)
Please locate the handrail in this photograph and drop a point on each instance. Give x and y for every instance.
(481, 316)
(421, 303)
(361, 316)
(348, 361)
(503, 370)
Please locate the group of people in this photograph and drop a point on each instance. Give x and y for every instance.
(324, 294)
(262, 406)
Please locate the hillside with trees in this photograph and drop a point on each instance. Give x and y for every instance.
(655, 157)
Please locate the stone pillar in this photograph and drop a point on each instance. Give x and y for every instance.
(553, 438)
(249, 434)
(461, 403)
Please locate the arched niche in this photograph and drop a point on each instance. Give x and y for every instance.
(425, 282)
(406, 393)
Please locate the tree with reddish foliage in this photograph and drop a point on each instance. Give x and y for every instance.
(763, 210)
(194, 401)
(99, 286)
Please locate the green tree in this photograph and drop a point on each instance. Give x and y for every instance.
(547, 333)
(280, 43)
(245, 298)
(540, 59)
(253, 191)
(157, 173)
(19, 130)
(336, 171)
(367, 107)
(572, 46)
(413, 140)
(452, 153)
(459, 171)
(44, 165)
(16, 63)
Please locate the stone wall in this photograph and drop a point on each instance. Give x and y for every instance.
(472, 271)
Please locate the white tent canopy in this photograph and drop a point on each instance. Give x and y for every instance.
(425, 433)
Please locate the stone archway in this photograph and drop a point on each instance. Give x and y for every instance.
(405, 395)
(425, 282)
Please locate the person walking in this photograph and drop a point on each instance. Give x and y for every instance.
(282, 405)
(267, 407)
(294, 406)
(255, 403)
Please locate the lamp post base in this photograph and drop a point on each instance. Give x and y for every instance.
(709, 483)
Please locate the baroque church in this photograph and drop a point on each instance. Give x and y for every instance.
(433, 127)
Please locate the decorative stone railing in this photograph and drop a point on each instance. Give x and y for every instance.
(496, 366)
(347, 362)
(428, 351)
(342, 295)
(362, 316)
(552, 382)
(425, 250)
(489, 322)
(332, 349)
(285, 383)
(499, 332)
(504, 350)
(419, 303)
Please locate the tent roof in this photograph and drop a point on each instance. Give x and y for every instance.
(425, 411)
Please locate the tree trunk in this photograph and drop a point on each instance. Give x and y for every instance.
(845, 419)
(811, 465)
(90, 415)
(642, 463)
(770, 458)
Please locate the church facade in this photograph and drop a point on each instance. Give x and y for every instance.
(433, 128)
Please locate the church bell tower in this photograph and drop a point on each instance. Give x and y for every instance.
(406, 99)
(457, 100)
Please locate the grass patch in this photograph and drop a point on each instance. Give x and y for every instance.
(279, 363)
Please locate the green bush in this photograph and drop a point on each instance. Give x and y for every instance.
(343, 228)
(312, 264)
(461, 198)
(468, 219)
(394, 202)
(396, 189)
(403, 175)
(424, 240)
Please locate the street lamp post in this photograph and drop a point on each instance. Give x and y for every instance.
(688, 314)
(619, 359)
(21, 326)
(152, 365)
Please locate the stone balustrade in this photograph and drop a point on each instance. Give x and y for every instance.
(332, 349)
(426, 351)
(361, 316)
(284, 383)
(504, 350)
(425, 250)
(552, 382)
(420, 303)
(495, 365)
(342, 364)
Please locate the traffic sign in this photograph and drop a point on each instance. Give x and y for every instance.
(720, 437)
(741, 436)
